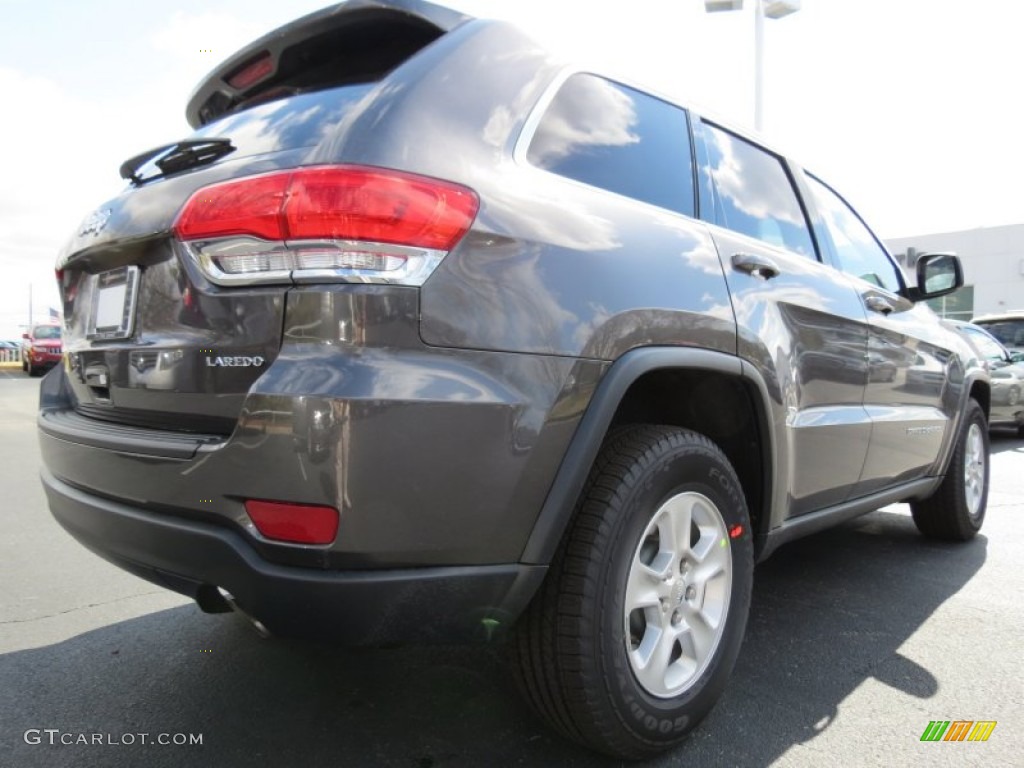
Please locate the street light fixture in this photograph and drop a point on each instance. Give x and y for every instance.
(776, 9)
(773, 9)
(723, 5)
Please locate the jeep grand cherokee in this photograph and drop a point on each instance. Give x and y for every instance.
(426, 334)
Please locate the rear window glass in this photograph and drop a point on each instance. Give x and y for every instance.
(619, 139)
(286, 123)
(1009, 332)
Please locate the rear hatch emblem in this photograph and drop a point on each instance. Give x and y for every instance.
(95, 222)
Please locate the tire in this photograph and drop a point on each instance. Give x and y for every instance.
(634, 633)
(956, 510)
(31, 369)
(24, 365)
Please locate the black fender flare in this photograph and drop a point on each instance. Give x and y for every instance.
(560, 503)
(974, 376)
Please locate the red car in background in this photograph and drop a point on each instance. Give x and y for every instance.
(41, 348)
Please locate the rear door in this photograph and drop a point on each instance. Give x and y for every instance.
(800, 322)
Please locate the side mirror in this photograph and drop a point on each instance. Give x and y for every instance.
(938, 274)
(25, 336)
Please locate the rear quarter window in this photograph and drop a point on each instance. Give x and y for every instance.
(619, 139)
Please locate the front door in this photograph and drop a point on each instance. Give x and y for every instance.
(911, 369)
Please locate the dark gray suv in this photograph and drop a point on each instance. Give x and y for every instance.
(426, 335)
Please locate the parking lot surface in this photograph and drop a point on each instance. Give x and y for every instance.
(858, 638)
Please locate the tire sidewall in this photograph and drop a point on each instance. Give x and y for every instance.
(688, 470)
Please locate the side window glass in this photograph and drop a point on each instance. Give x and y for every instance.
(619, 139)
(858, 252)
(755, 193)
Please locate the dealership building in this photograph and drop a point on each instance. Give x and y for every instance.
(993, 259)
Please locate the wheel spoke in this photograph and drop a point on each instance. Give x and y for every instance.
(674, 525)
(710, 532)
(711, 598)
(652, 661)
(666, 648)
(642, 657)
(715, 562)
(697, 641)
(706, 544)
(647, 584)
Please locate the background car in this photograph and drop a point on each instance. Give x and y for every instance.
(1008, 329)
(1007, 375)
(41, 348)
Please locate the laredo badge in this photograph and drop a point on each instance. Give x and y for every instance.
(237, 361)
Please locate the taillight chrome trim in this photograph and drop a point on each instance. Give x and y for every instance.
(419, 263)
(204, 259)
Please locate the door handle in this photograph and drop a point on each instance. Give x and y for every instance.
(755, 264)
(878, 304)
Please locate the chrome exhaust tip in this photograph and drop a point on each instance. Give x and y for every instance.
(256, 624)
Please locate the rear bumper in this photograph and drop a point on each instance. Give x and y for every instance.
(438, 604)
(431, 457)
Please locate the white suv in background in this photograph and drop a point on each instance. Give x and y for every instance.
(1007, 327)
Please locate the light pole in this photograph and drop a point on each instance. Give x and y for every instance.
(772, 9)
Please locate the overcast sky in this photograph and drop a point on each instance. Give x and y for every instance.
(911, 108)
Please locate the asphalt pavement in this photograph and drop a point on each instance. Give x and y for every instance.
(858, 638)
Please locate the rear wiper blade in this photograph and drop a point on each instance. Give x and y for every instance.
(176, 156)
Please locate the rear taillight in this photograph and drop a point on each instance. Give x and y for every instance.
(325, 223)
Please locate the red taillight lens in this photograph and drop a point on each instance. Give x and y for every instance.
(332, 203)
(294, 523)
(244, 207)
(379, 207)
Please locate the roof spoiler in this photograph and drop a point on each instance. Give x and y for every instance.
(258, 66)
